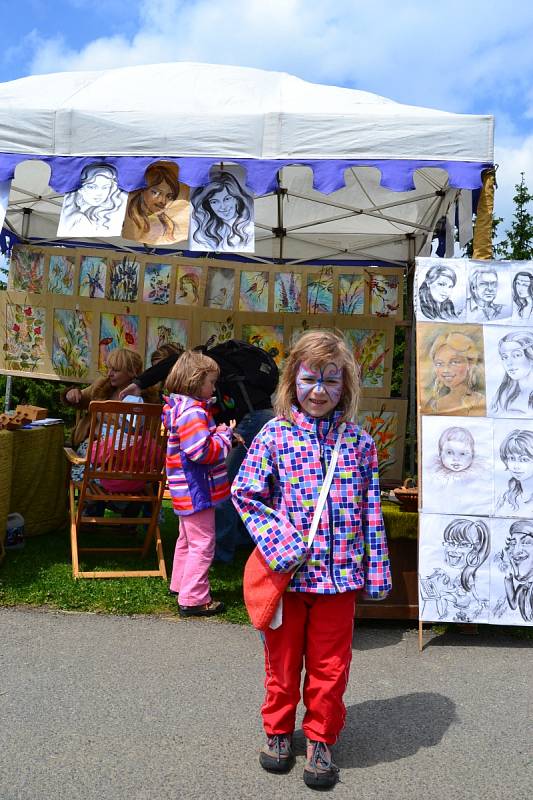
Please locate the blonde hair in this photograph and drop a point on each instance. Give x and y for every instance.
(316, 349)
(125, 360)
(464, 346)
(188, 373)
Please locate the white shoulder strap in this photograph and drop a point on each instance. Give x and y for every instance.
(325, 486)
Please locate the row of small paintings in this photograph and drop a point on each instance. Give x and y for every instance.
(131, 278)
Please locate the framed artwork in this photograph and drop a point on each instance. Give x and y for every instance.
(212, 332)
(164, 330)
(268, 337)
(385, 291)
(220, 288)
(288, 292)
(117, 330)
(72, 342)
(61, 274)
(156, 288)
(372, 345)
(384, 420)
(124, 279)
(253, 293)
(188, 285)
(27, 270)
(93, 271)
(24, 348)
(320, 291)
(351, 293)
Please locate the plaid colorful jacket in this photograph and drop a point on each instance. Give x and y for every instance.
(196, 452)
(276, 491)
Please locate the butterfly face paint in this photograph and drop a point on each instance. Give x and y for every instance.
(319, 389)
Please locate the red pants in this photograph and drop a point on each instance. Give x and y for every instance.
(318, 628)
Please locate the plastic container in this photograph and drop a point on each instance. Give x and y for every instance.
(14, 532)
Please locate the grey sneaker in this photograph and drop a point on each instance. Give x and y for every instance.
(320, 772)
(277, 755)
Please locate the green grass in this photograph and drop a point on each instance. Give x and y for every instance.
(41, 574)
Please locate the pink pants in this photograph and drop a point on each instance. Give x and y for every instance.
(194, 553)
(317, 629)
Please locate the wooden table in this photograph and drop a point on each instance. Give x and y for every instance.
(33, 478)
(402, 536)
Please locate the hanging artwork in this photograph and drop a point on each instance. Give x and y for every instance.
(384, 294)
(268, 337)
(220, 288)
(188, 284)
(440, 290)
(320, 292)
(24, 348)
(27, 269)
(156, 283)
(451, 369)
(475, 384)
(61, 274)
(5, 187)
(352, 293)
(212, 333)
(96, 208)
(457, 465)
(124, 279)
(158, 213)
(222, 215)
(288, 292)
(253, 294)
(165, 330)
(72, 342)
(385, 422)
(92, 276)
(370, 348)
(117, 330)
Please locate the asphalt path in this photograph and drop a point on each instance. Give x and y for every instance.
(96, 707)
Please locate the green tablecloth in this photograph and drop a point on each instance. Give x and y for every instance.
(33, 466)
(399, 524)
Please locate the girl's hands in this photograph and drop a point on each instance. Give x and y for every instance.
(232, 423)
(73, 396)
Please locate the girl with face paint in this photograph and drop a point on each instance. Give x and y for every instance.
(275, 492)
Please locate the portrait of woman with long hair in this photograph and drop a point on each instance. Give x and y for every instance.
(456, 380)
(97, 207)
(514, 395)
(434, 293)
(159, 212)
(222, 216)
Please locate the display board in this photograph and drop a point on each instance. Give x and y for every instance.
(475, 402)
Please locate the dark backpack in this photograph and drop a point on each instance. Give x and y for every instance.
(248, 377)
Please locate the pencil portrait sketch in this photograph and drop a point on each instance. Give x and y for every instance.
(512, 573)
(222, 216)
(510, 384)
(96, 208)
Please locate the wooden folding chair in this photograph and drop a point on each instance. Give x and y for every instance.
(126, 443)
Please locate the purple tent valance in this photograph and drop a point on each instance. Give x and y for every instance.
(328, 175)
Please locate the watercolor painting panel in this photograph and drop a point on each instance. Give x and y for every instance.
(124, 279)
(92, 276)
(164, 330)
(156, 283)
(268, 337)
(370, 348)
(27, 270)
(384, 420)
(288, 292)
(212, 333)
(253, 295)
(352, 293)
(220, 288)
(61, 274)
(25, 338)
(72, 342)
(320, 292)
(117, 330)
(384, 294)
(188, 284)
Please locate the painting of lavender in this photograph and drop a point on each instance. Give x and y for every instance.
(92, 276)
(156, 284)
(72, 342)
(288, 292)
(117, 330)
(320, 292)
(351, 293)
(61, 274)
(124, 279)
(27, 270)
(164, 330)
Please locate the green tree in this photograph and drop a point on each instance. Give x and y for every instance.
(518, 244)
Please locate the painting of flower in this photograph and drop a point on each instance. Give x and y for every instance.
(320, 292)
(24, 346)
(124, 279)
(268, 337)
(253, 295)
(156, 283)
(61, 274)
(188, 283)
(370, 349)
(164, 330)
(92, 276)
(383, 427)
(351, 293)
(288, 292)
(212, 333)
(220, 288)
(27, 270)
(117, 330)
(72, 342)
(384, 301)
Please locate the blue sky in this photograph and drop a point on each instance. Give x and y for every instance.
(467, 57)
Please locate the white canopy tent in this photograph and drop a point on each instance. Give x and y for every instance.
(338, 174)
